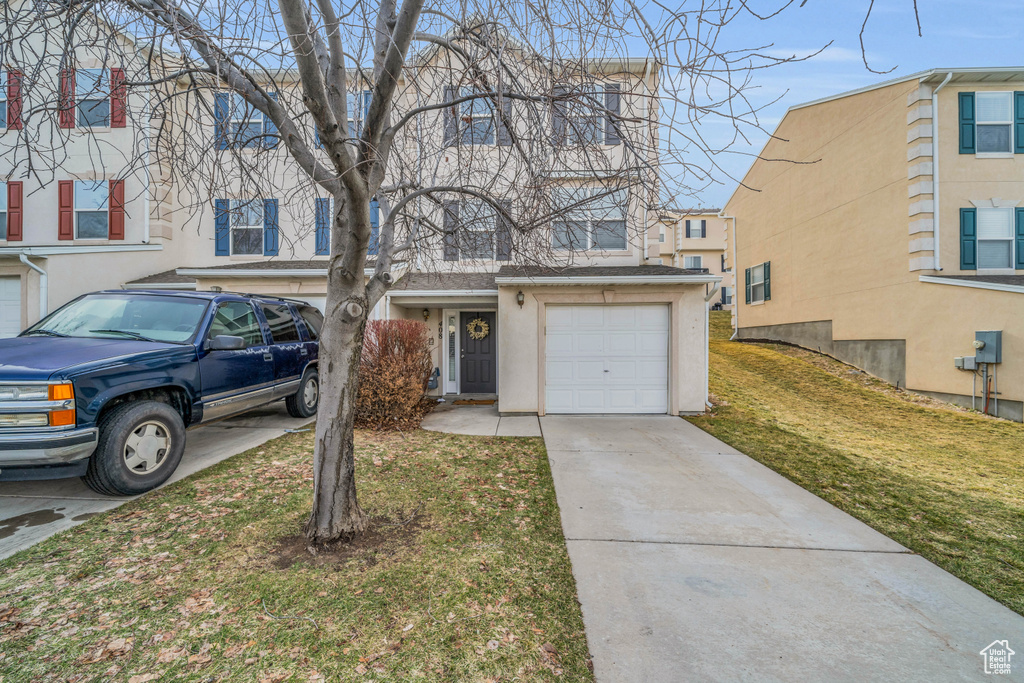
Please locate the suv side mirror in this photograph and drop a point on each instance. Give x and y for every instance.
(226, 342)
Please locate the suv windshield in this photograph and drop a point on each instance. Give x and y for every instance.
(124, 316)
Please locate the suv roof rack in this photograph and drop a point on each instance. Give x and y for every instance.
(274, 298)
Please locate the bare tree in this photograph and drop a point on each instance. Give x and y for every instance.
(508, 105)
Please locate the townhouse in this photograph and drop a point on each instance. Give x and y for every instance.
(892, 236)
(696, 239)
(574, 316)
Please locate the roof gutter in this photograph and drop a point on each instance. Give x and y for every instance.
(257, 272)
(542, 280)
(936, 244)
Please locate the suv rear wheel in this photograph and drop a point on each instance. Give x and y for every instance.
(140, 446)
(304, 402)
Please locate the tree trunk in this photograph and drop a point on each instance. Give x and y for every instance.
(336, 513)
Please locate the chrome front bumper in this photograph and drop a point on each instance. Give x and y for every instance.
(32, 449)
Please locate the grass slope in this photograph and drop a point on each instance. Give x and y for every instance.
(946, 483)
(472, 581)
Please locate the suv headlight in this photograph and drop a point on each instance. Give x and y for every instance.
(29, 392)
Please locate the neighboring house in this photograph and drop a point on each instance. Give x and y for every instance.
(597, 330)
(697, 239)
(894, 231)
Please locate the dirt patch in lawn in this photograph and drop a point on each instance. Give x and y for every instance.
(382, 539)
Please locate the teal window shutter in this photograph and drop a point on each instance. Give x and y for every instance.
(1019, 242)
(221, 110)
(374, 228)
(271, 228)
(270, 136)
(968, 239)
(767, 280)
(748, 284)
(967, 144)
(221, 228)
(323, 226)
(1018, 122)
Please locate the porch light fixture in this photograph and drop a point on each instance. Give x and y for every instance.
(426, 314)
(520, 298)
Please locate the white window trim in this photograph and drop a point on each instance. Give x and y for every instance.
(588, 105)
(994, 155)
(466, 110)
(76, 210)
(475, 227)
(1008, 270)
(79, 99)
(754, 283)
(232, 226)
(700, 261)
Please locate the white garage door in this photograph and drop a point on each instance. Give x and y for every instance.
(606, 359)
(10, 306)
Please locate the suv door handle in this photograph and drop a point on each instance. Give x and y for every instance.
(303, 351)
(267, 355)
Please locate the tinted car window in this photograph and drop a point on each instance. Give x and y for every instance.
(237, 319)
(282, 325)
(314, 320)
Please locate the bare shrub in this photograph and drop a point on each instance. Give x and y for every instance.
(394, 369)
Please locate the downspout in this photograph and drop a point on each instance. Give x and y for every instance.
(735, 280)
(145, 213)
(935, 173)
(43, 296)
(647, 226)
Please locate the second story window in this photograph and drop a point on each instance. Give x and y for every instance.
(325, 217)
(989, 240)
(991, 123)
(247, 226)
(587, 115)
(239, 125)
(693, 262)
(589, 219)
(696, 229)
(93, 90)
(92, 210)
(476, 120)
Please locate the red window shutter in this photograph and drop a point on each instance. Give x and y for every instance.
(14, 211)
(66, 113)
(14, 100)
(66, 200)
(118, 99)
(116, 210)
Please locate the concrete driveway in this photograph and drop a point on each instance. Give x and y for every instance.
(31, 511)
(694, 562)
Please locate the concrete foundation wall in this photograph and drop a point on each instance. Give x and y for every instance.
(883, 358)
(1009, 410)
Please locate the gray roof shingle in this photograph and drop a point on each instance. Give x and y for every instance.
(597, 271)
(169, 277)
(445, 281)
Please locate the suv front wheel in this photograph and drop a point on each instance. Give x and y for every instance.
(140, 446)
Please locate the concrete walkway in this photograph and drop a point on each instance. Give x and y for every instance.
(479, 421)
(693, 562)
(31, 511)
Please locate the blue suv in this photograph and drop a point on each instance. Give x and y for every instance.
(105, 386)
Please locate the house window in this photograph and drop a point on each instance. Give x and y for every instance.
(727, 294)
(758, 287)
(586, 119)
(3, 99)
(245, 123)
(476, 120)
(92, 209)
(696, 229)
(93, 89)
(995, 237)
(693, 262)
(246, 226)
(589, 219)
(325, 218)
(357, 103)
(3, 211)
(478, 222)
(994, 114)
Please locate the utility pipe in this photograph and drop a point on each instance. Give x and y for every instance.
(735, 279)
(647, 227)
(936, 245)
(43, 296)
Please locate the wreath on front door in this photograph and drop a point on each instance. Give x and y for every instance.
(478, 328)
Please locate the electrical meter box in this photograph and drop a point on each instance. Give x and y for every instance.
(991, 349)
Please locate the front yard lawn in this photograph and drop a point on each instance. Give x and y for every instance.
(944, 482)
(463, 576)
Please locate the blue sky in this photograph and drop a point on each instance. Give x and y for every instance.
(957, 33)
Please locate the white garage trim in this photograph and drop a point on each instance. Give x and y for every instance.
(10, 306)
(607, 358)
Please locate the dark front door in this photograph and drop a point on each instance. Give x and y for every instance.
(479, 354)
